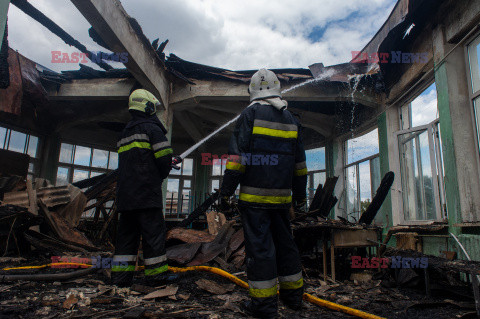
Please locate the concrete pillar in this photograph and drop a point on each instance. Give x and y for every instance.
(166, 116)
(386, 125)
(50, 151)
(3, 17)
(462, 178)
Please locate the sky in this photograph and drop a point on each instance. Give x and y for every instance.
(230, 34)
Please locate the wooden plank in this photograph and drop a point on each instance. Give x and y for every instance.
(354, 238)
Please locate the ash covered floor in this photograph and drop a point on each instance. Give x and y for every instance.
(205, 295)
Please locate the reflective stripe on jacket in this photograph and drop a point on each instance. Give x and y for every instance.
(267, 158)
(144, 160)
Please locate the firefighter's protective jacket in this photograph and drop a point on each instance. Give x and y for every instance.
(145, 158)
(267, 158)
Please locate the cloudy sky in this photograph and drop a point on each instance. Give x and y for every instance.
(225, 33)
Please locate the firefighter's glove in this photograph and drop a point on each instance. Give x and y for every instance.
(176, 161)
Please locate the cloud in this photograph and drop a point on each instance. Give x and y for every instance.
(231, 34)
(424, 107)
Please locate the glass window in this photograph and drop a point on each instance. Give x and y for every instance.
(3, 135)
(66, 153)
(100, 158)
(82, 155)
(424, 108)
(362, 147)
(113, 162)
(187, 183)
(476, 104)
(32, 146)
(17, 142)
(187, 168)
(95, 173)
(474, 58)
(215, 185)
(315, 159)
(79, 174)
(62, 176)
(217, 167)
(81, 159)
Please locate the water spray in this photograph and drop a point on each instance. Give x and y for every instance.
(178, 159)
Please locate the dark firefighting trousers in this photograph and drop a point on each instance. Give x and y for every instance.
(150, 225)
(272, 256)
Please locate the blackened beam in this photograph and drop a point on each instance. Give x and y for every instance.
(38, 16)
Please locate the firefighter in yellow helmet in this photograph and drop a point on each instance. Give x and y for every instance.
(145, 158)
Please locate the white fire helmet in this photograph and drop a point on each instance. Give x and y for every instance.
(264, 84)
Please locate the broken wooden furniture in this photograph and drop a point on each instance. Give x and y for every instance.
(339, 235)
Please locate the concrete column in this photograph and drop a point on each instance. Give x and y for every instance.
(166, 116)
(387, 124)
(50, 151)
(338, 161)
(3, 17)
(462, 178)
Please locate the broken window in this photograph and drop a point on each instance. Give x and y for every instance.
(77, 162)
(316, 170)
(180, 196)
(22, 143)
(362, 173)
(474, 63)
(421, 160)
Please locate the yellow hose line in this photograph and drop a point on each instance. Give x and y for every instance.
(214, 270)
(48, 265)
(306, 297)
(337, 307)
(239, 282)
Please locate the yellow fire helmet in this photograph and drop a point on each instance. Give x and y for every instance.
(143, 101)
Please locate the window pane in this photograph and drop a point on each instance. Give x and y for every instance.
(319, 178)
(3, 133)
(32, 146)
(474, 57)
(66, 151)
(188, 166)
(113, 163)
(79, 175)
(172, 196)
(62, 176)
(95, 173)
(365, 185)
(17, 142)
(217, 167)
(100, 158)
(186, 201)
(352, 191)
(424, 107)
(215, 185)
(362, 147)
(172, 185)
(187, 183)
(316, 159)
(82, 155)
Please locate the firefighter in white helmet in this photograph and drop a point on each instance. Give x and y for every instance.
(145, 158)
(267, 159)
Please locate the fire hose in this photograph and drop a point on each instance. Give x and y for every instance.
(307, 297)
